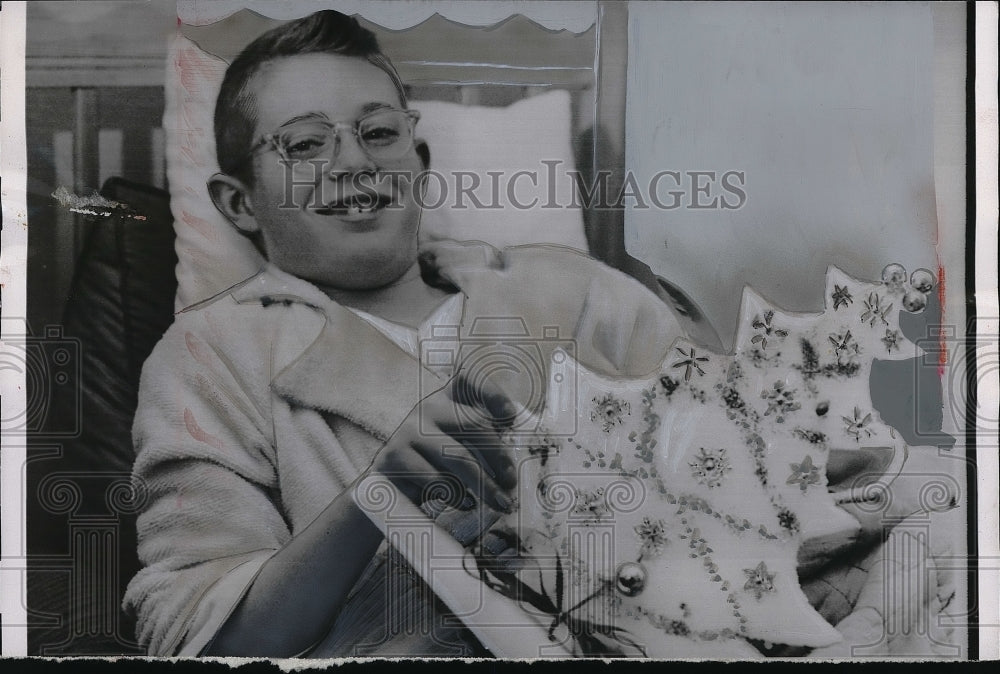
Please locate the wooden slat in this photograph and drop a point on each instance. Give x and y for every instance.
(110, 146)
(158, 157)
(84, 154)
(103, 71)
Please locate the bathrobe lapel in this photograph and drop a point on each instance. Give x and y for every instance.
(350, 369)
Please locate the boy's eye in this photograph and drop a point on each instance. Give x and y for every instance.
(380, 135)
(303, 146)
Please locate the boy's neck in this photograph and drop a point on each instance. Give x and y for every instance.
(407, 300)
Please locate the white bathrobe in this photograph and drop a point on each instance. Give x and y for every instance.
(263, 403)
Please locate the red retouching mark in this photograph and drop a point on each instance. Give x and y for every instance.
(188, 62)
(198, 433)
(197, 349)
(192, 156)
(200, 225)
(942, 351)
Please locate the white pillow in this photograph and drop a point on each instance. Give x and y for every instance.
(481, 140)
(212, 256)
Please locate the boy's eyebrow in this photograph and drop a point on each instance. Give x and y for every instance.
(371, 107)
(365, 109)
(308, 115)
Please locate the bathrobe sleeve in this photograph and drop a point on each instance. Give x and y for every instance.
(206, 470)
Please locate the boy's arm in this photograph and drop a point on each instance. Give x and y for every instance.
(619, 326)
(214, 543)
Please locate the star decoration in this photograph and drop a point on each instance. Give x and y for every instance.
(759, 581)
(804, 473)
(891, 340)
(766, 329)
(858, 424)
(841, 297)
(874, 311)
(653, 536)
(710, 466)
(609, 410)
(690, 362)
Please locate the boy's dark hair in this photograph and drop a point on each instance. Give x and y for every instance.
(324, 32)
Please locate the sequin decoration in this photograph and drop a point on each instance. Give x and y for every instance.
(891, 340)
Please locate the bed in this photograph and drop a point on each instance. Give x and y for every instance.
(567, 85)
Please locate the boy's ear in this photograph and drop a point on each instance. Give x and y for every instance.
(424, 152)
(232, 198)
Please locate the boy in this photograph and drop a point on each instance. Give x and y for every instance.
(261, 407)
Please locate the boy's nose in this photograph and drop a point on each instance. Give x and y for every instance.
(349, 157)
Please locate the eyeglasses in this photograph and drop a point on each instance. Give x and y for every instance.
(384, 134)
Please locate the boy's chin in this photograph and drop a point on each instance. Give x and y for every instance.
(371, 275)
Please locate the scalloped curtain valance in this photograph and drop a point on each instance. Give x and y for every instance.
(576, 17)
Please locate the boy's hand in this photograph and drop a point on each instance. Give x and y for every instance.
(452, 436)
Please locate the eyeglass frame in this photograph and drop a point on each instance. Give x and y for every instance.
(413, 116)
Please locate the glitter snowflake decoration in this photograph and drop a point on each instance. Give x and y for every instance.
(759, 581)
(591, 504)
(841, 297)
(543, 446)
(844, 344)
(804, 473)
(609, 410)
(653, 536)
(788, 520)
(710, 466)
(780, 401)
(669, 385)
(691, 362)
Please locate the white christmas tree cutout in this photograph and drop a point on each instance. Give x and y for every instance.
(670, 520)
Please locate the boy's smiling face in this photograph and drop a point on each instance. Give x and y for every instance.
(312, 235)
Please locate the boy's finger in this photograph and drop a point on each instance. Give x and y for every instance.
(485, 395)
(483, 443)
(472, 474)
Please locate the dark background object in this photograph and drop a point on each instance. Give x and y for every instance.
(80, 503)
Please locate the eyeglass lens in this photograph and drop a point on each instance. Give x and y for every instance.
(382, 135)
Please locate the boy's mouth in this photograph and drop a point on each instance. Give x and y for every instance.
(357, 205)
